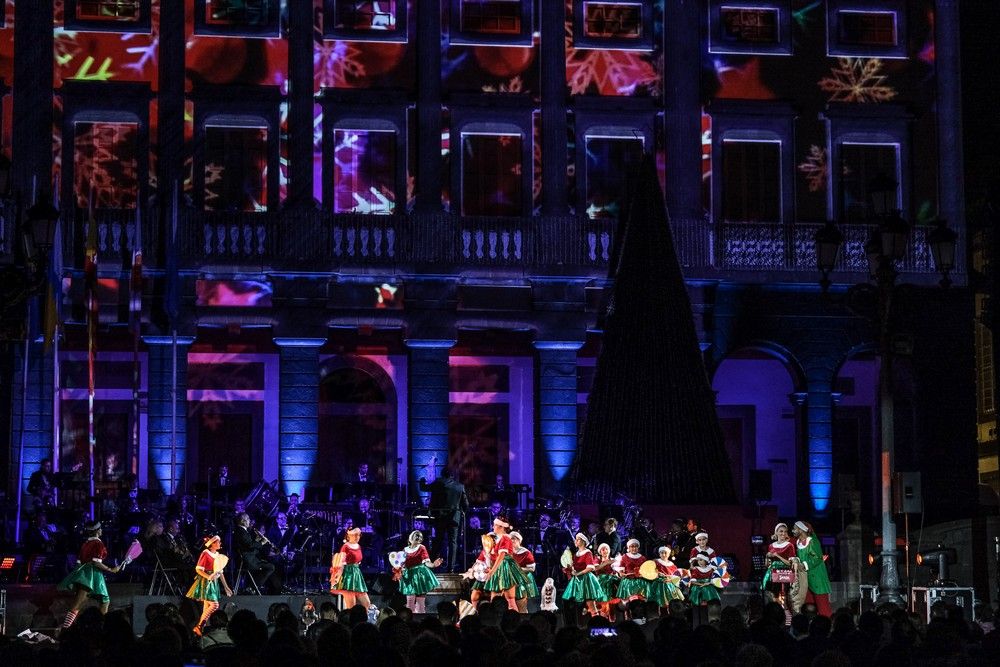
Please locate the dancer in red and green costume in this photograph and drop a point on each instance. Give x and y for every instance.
(781, 554)
(664, 588)
(583, 587)
(417, 579)
(632, 586)
(206, 584)
(352, 582)
(505, 576)
(607, 577)
(87, 578)
(702, 588)
(810, 555)
(525, 560)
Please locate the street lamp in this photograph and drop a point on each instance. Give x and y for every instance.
(886, 245)
(828, 241)
(40, 231)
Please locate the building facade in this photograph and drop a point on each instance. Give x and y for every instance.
(379, 232)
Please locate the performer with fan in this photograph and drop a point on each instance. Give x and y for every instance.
(87, 578)
(607, 577)
(525, 560)
(663, 586)
(631, 586)
(208, 573)
(505, 576)
(345, 573)
(583, 587)
(702, 588)
(416, 578)
(810, 555)
(781, 568)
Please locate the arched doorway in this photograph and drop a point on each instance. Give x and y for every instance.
(756, 392)
(357, 422)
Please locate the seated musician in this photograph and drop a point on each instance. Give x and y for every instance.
(254, 550)
(172, 548)
(41, 537)
(365, 518)
(42, 485)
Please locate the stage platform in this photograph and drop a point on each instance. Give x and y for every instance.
(41, 607)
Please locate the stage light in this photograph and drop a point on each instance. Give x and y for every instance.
(938, 558)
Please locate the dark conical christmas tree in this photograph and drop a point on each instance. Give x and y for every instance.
(651, 430)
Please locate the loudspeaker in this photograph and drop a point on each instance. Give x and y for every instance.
(760, 484)
(906, 493)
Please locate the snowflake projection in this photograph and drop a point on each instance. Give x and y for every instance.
(515, 85)
(336, 63)
(606, 71)
(815, 168)
(857, 80)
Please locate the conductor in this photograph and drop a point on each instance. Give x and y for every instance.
(448, 504)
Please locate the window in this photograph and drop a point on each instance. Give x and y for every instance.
(860, 164)
(751, 181)
(107, 15)
(612, 19)
(608, 162)
(499, 22)
(237, 17)
(365, 20)
(748, 26)
(866, 28)
(106, 164)
(235, 168)
(614, 25)
(492, 181)
(364, 171)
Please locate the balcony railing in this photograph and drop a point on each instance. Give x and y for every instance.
(320, 242)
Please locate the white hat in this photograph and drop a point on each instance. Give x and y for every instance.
(581, 536)
(662, 549)
(776, 527)
(802, 526)
(603, 545)
(700, 535)
(514, 535)
(499, 521)
(633, 541)
(701, 555)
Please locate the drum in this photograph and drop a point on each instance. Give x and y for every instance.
(648, 570)
(782, 576)
(262, 501)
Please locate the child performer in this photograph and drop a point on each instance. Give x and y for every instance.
(607, 578)
(583, 587)
(810, 555)
(663, 589)
(781, 554)
(87, 578)
(505, 575)
(480, 570)
(525, 560)
(417, 580)
(632, 586)
(352, 582)
(702, 590)
(206, 582)
(701, 539)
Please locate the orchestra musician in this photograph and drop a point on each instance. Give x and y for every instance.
(42, 485)
(172, 548)
(41, 536)
(254, 548)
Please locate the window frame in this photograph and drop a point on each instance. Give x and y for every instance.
(272, 29)
(754, 121)
(343, 111)
(401, 35)
(73, 22)
(491, 121)
(718, 44)
(459, 37)
(624, 124)
(644, 43)
(868, 124)
(835, 48)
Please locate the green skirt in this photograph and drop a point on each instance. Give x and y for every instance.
(352, 580)
(507, 575)
(478, 585)
(609, 584)
(418, 580)
(203, 589)
(583, 588)
(90, 579)
(632, 588)
(703, 594)
(662, 591)
(529, 589)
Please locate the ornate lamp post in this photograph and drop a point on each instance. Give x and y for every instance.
(887, 245)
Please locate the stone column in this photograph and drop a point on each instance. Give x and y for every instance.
(428, 402)
(167, 411)
(33, 424)
(819, 439)
(298, 411)
(557, 415)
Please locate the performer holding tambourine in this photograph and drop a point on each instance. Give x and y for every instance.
(416, 579)
(208, 573)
